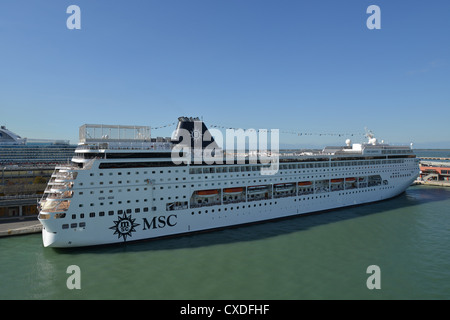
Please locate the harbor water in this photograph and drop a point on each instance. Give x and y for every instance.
(321, 256)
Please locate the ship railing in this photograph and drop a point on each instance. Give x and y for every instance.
(46, 216)
(65, 175)
(210, 204)
(63, 195)
(59, 180)
(233, 201)
(152, 146)
(172, 207)
(58, 188)
(55, 206)
(60, 184)
(284, 195)
(75, 167)
(259, 198)
(321, 190)
(68, 167)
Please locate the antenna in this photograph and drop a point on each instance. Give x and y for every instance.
(369, 133)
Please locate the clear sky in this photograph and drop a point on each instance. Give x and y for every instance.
(303, 66)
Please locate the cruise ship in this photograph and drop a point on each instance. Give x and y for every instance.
(15, 150)
(122, 185)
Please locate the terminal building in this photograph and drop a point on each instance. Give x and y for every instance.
(434, 171)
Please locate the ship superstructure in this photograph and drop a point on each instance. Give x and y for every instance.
(122, 185)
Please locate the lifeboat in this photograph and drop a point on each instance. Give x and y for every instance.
(233, 190)
(304, 183)
(350, 180)
(208, 193)
(335, 181)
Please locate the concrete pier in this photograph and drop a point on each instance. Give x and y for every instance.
(14, 227)
(432, 183)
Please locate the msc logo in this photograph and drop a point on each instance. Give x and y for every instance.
(124, 226)
(160, 222)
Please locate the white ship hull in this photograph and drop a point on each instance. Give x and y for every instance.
(150, 225)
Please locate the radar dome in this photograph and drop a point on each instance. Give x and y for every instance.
(348, 142)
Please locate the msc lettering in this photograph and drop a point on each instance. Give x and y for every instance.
(160, 222)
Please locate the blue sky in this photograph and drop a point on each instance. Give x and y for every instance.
(304, 66)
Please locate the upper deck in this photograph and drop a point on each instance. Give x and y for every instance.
(134, 143)
(113, 133)
(118, 137)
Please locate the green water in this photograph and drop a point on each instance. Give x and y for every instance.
(321, 256)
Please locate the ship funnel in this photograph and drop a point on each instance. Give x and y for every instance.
(193, 132)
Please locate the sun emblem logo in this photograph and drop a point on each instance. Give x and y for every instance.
(196, 135)
(124, 226)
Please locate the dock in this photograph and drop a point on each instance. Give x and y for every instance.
(14, 227)
(432, 183)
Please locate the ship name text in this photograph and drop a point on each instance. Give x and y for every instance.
(160, 222)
